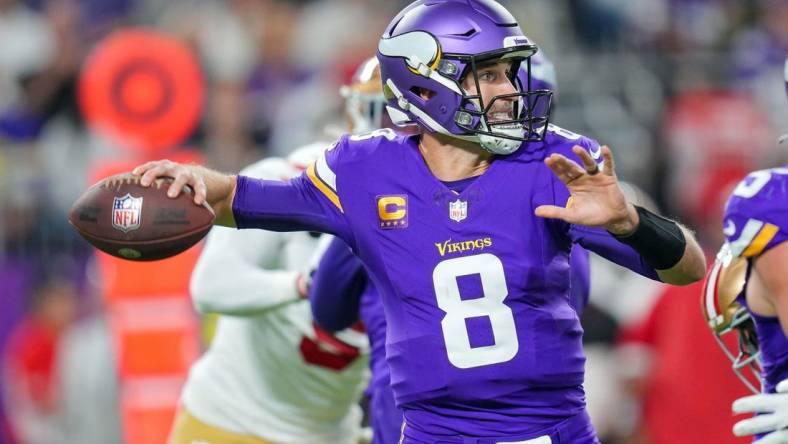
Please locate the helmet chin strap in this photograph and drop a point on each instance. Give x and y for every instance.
(492, 144)
(500, 145)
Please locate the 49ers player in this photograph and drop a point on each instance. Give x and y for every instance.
(271, 375)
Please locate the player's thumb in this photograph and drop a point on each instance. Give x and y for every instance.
(551, 212)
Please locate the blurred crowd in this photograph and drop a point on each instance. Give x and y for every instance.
(689, 95)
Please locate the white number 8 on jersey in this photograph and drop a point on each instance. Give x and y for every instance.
(455, 333)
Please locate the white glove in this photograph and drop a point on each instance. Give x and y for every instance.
(774, 417)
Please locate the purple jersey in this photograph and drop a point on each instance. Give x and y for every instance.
(756, 220)
(340, 289)
(481, 338)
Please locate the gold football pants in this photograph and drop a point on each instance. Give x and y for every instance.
(190, 430)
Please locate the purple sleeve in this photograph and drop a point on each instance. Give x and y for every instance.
(581, 278)
(295, 205)
(337, 286)
(604, 244)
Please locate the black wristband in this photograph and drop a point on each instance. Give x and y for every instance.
(658, 240)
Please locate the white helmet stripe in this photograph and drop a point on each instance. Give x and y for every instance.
(436, 76)
(712, 314)
(398, 117)
(429, 121)
(394, 89)
(435, 126)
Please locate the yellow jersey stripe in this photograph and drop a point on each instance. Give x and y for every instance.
(757, 245)
(325, 189)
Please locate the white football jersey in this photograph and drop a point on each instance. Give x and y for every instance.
(269, 372)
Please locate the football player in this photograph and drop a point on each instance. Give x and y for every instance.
(341, 293)
(747, 291)
(481, 342)
(271, 375)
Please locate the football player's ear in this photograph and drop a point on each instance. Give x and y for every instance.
(426, 94)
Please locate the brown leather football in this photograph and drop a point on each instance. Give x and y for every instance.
(129, 221)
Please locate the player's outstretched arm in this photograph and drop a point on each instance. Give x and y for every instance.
(597, 201)
(254, 288)
(688, 269)
(213, 187)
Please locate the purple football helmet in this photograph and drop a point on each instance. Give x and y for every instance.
(432, 45)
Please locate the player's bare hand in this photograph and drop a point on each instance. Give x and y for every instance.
(596, 199)
(182, 176)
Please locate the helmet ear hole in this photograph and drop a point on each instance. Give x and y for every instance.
(425, 93)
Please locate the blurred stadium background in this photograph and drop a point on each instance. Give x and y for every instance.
(688, 93)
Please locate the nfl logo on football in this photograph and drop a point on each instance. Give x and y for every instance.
(126, 212)
(458, 210)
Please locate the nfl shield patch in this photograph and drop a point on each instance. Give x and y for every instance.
(126, 213)
(458, 210)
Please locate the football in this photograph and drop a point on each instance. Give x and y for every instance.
(122, 218)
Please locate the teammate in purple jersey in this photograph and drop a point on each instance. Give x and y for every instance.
(342, 293)
(747, 291)
(482, 344)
